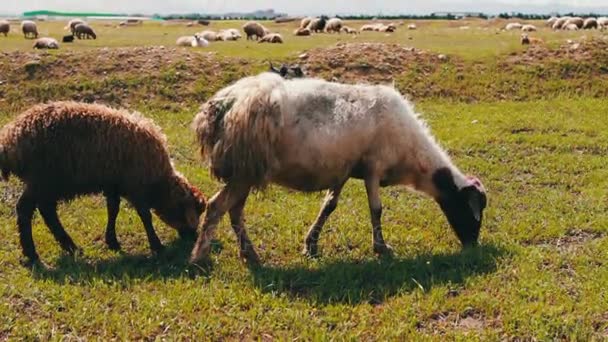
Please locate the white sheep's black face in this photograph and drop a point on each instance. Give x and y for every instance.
(462, 207)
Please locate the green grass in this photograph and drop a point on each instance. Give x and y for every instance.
(537, 140)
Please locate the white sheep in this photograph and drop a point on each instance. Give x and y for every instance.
(29, 29)
(412, 27)
(46, 43)
(302, 31)
(570, 27)
(559, 23)
(305, 22)
(349, 30)
(192, 41)
(513, 26)
(602, 22)
(576, 21)
(528, 28)
(310, 135)
(208, 35)
(272, 38)
(230, 34)
(333, 25)
(551, 21)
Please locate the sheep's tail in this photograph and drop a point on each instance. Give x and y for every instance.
(239, 129)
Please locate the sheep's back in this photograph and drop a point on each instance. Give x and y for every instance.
(78, 145)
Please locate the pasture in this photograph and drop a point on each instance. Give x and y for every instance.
(529, 121)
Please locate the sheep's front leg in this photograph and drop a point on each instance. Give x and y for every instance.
(329, 205)
(25, 211)
(146, 218)
(48, 210)
(246, 249)
(113, 206)
(218, 205)
(372, 186)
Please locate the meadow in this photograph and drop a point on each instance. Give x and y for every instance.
(529, 122)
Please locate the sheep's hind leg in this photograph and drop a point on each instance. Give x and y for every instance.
(48, 210)
(246, 249)
(113, 206)
(329, 205)
(372, 186)
(25, 211)
(218, 205)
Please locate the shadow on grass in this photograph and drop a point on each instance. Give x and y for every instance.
(374, 281)
(171, 263)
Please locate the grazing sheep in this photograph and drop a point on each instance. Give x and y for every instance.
(602, 23)
(84, 31)
(576, 21)
(274, 38)
(208, 35)
(513, 26)
(551, 21)
(63, 150)
(528, 28)
(527, 40)
(333, 25)
(412, 27)
(318, 24)
(301, 32)
(349, 30)
(46, 43)
(310, 135)
(5, 27)
(192, 41)
(369, 27)
(29, 29)
(305, 22)
(256, 29)
(590, 23)
(68, 39)
(386, 28)
(570, 27)
(72, 24)
(559, 23)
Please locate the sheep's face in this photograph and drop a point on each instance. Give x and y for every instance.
(463, 207)
(181, 206)
(287, 71)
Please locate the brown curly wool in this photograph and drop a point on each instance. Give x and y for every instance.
(62, 150)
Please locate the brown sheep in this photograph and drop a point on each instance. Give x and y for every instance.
(29, 29)
(274, 38)
(5, 27)
(253, 28)
(63, 150)
(72, 24)
(527, 40)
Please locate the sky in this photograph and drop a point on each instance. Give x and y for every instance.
(302, 7)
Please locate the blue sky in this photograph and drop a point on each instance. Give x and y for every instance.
(299, 7)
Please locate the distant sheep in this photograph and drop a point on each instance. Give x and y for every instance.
(602, 22)
(349, 30)
(412, 27)
(528, 28)
(551, 21)
(570, 27)
(68, 39)
(5, 27)
(527, 40)
(513, 26)
(29, 29)
(229, 35)
(369, 27)
(590, 23)
(574, 21)
(305, 22)
(63, 150)
(72, 24)
(333, 25)
(312, 135)
(84, 31)
(318, 24)
(274, 38)
(254, 29)
(559, 23)
(192, 41)
(208, 35)
(46, 43)
(301, 32)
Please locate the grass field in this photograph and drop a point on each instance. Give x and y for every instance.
(535, 134)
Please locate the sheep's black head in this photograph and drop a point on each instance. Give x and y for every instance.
(180, 205)
(288, 71)
(463, 207)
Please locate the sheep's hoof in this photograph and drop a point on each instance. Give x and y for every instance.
(113, 245)
(250, 256)
(383, 250)
(311, 251)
